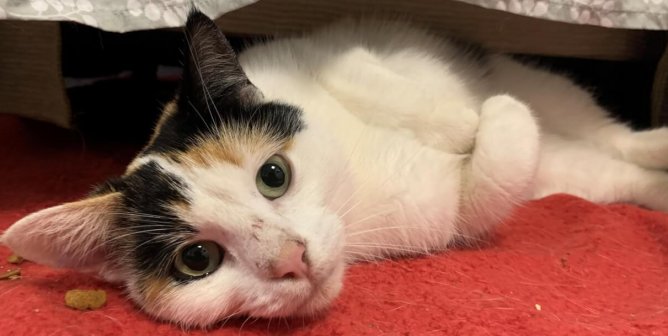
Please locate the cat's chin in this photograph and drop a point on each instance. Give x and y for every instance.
(320, 297)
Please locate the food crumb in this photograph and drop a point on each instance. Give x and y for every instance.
(11, 274)
(15, 259)
(538, 307)
(85, 299)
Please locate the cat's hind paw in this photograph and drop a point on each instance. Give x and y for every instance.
(648, 149)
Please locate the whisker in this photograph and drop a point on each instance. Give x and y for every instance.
(367, 257)
(244, 323)
(135, 233)
(144, 221)
(228, 317)
(206, 124)
(386, 180)
(204, 87)
(352, 154)
(143, 217)
(391, 247)
(399, 227)
(173, 242)
(139, 214)
(369, 217)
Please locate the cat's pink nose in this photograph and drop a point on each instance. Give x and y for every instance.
(291, 262)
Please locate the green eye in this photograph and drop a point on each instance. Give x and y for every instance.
(273, 178)
(198, 259)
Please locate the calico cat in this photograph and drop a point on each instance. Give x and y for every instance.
(272, 170)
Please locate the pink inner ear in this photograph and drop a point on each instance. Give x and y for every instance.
(71, 235)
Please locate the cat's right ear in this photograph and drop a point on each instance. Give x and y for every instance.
(71, 235)
(212, 73)
(214, 88)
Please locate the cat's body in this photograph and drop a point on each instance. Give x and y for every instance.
(393, 141)
(406, 109)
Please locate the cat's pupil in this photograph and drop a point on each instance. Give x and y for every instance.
(196, 257)
(272, 175)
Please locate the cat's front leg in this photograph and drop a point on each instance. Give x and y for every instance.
(501, 169)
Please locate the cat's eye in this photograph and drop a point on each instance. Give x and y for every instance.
(198, 259)
(273, 178)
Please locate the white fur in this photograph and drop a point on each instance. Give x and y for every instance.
(408, 147)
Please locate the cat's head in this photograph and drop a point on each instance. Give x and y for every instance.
(227, 211)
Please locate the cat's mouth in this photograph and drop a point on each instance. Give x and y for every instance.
(301, 297)
(287, 297)
(322, 294)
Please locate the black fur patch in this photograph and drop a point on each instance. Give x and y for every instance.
(215, 93)
(184, 126)
(153, 230)
(111, 185)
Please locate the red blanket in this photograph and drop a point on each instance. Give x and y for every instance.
(560, 266)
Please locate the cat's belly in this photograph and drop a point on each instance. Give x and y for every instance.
(406, 199)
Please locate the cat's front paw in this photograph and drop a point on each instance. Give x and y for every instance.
(507, 143)
(506, 107)
(501, 171)
(509, 121)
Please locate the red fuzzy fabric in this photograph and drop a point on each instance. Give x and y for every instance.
(560, 266)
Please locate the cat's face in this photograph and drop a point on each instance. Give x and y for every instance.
(230, 227)
(228, 210)
(233, 225)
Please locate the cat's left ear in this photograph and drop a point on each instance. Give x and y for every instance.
(71, 235)
(212, 73)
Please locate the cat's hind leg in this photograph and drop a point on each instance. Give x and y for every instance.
(564, 108)
(501, 169)
(647, 148)
(577, 168)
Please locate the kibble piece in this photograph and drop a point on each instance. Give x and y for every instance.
(11, 274)
(85, 299)
(14, 259)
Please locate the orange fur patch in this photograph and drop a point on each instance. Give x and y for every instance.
(180, 207)
(154, 287)
(230, 148)
(167, 111)
(288, 145)
(210, 151)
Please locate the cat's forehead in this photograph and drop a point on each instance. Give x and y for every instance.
(195, 162)
(224, 131)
